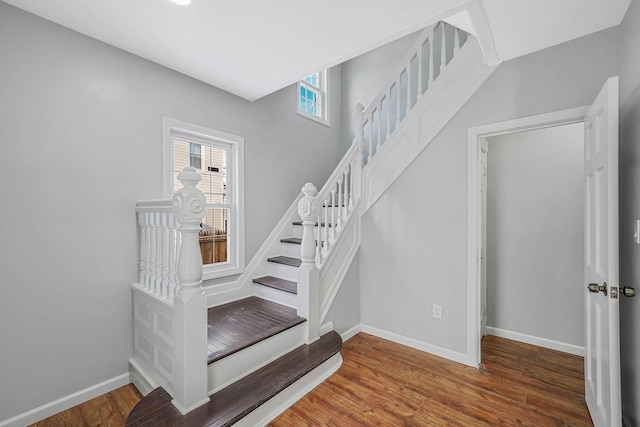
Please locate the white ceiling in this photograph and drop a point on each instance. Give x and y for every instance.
(254, 47)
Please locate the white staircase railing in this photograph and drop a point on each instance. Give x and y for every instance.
(420, 67)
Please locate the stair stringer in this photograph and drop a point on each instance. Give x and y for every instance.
(462, 77)
(335, 268)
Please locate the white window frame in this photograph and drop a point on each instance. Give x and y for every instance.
(323, 89)
(189, 132)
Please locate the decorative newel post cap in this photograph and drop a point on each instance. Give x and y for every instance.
(189, 177)
(309, 190)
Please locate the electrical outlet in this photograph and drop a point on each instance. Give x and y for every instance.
(437, 311)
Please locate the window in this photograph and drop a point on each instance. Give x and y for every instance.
(218, 156)
(195, 155)
(313, 98)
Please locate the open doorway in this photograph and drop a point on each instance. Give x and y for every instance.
(534, 288)
(533, 237)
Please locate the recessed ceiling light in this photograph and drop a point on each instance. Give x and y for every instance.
(181, 2)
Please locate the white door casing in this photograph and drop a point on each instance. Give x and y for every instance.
(602, 359)
(484, 150)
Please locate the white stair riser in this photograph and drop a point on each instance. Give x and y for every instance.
(238, 365)
(290, 249)
(275, 295)
(296, 231)
(282, 271)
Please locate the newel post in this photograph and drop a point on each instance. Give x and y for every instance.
(190, 304)
(358, 140)
(308, 276)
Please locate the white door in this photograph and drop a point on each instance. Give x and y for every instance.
(602, 359)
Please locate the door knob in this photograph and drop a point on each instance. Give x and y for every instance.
(595, 288)
(628, 292)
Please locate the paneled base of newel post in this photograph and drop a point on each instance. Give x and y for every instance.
(190, 328)
(309, 300)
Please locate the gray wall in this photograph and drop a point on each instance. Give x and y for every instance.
(414, 244)
(81, 142)
(630, 209)
(535, 243)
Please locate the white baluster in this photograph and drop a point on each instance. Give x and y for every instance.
(165, 254)
(456, 40)
(419, 74)
(173, 254)
(443, 51)
(388, 115)
(398, 101)
(408, 105)
(339, 224)
(333, 215)
(318, 243)
(370, 136)
(431, 70)
(351, 201)
(379, 124)
(158, 273)
(325, 241)
(153, 246)
(143, 249)
(345, 196)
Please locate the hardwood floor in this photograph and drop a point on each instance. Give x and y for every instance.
(385, 384)
(108, 410)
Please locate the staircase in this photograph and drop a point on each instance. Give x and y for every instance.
(248, 349)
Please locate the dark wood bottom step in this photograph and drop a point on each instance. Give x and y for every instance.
(277, 283)
(240, 324)
(286, 260)
(294, 240)
(236, 401)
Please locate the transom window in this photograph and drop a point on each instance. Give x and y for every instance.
(313, 100)
(218, 157)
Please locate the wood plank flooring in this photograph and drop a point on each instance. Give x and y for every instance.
(108, 410)
(240, 324)
(384, 384)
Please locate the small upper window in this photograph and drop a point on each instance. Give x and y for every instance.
(313, 97)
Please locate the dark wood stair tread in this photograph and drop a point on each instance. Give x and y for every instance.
(231, 404)
(286, 260)
(237, 325)
(277, 283)
(322, 224)
(294, 240)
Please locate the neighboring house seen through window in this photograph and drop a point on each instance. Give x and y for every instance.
(313, 99)
(218, 157)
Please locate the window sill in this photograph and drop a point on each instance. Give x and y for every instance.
(314, 118)
(215, 272)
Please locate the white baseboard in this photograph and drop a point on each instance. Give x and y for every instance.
(64, 403)
(419, 345)
(347, 335)
(540, 342)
